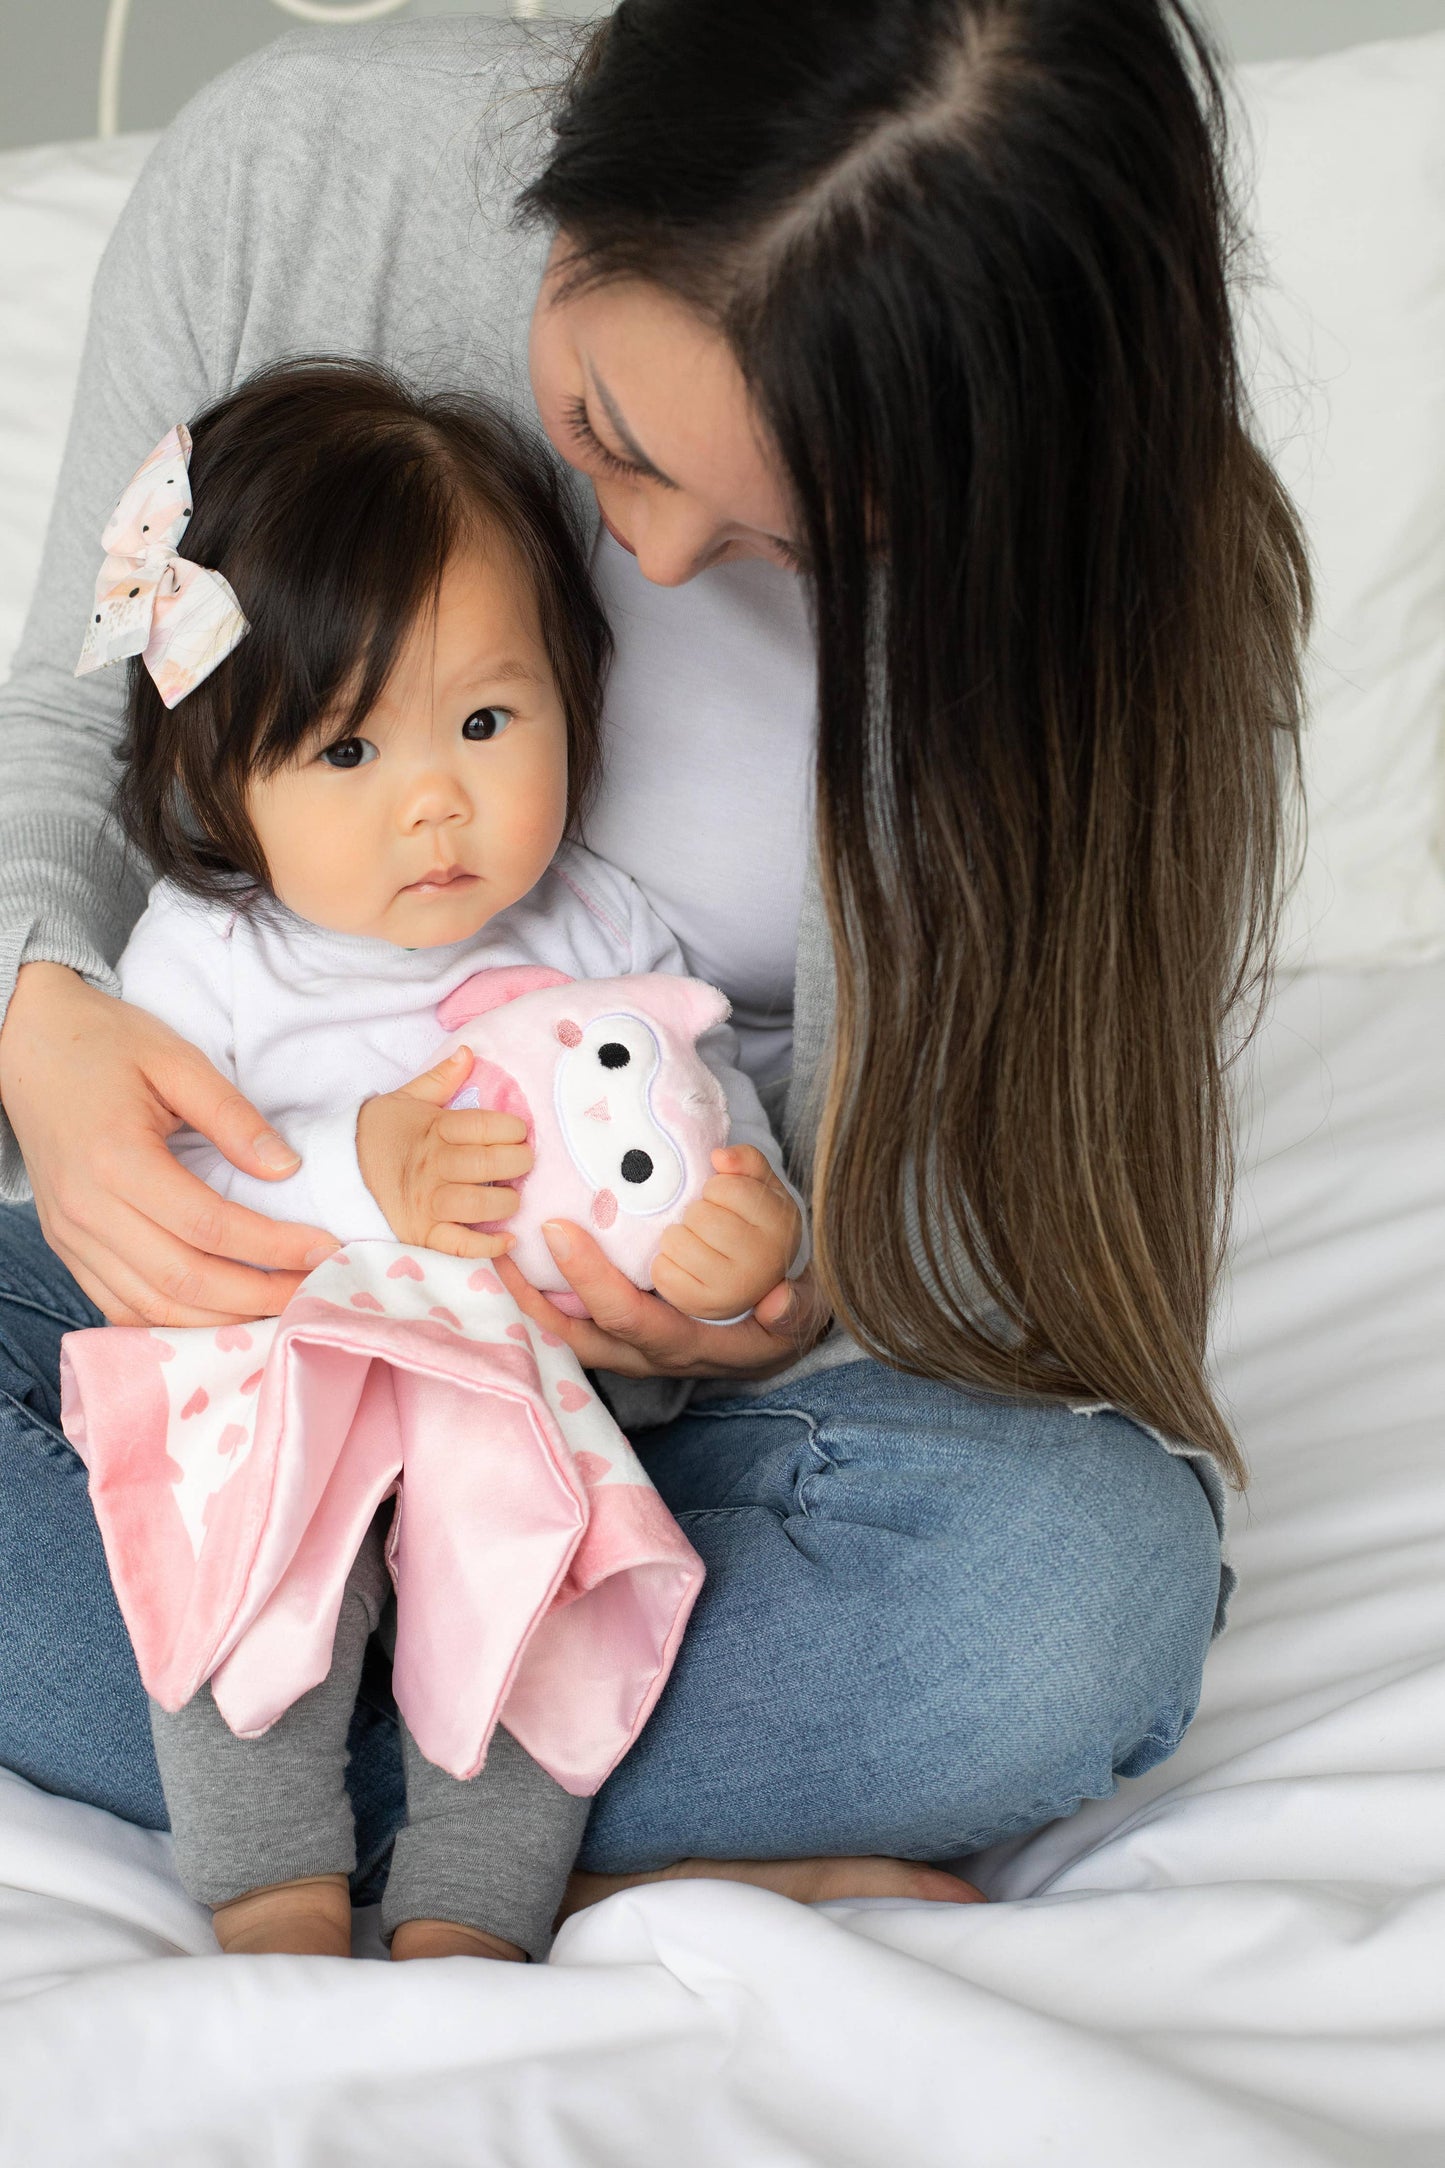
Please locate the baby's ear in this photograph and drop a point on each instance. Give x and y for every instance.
(486, 990)
(687, 1006)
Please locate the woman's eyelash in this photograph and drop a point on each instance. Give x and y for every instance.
(580, 425)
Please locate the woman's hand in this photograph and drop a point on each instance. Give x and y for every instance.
(642, 1337)
(434, 1171)
(93, 1088)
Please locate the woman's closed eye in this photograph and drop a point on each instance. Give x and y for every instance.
(349, 753)
(486, 723)
(579, 423)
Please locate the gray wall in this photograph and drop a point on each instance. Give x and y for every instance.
(50, 49)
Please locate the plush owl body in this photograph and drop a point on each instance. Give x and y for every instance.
(622, 1112)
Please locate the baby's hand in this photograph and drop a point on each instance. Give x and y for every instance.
(434, 1170)
(735, 1243)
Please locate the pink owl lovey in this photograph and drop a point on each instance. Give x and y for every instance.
(622, 1112)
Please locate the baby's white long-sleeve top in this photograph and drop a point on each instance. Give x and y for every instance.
(308, 1023)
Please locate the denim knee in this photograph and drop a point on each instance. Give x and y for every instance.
(931, 1620)
(1085, 1663)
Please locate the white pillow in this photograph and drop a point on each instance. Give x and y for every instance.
(1350, 391)
(1349, 375)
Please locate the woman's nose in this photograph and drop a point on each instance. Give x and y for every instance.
(673, 541)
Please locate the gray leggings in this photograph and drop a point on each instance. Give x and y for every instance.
(493, 1852)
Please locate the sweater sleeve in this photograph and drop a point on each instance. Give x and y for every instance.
(68, 889)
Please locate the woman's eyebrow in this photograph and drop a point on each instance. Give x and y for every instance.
(625, 437)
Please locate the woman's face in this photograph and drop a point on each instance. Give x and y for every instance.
(647, 400)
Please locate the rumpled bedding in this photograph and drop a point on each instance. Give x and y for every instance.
(1240, 1957)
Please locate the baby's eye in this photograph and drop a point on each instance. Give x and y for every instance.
(484, 723)
(349, 753)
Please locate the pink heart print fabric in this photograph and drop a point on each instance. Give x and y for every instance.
(539, 1578)
(151, 601)
(622, 1112)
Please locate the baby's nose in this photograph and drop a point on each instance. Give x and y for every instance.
(434, 798)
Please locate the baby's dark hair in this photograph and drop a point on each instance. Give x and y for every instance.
(331, 496)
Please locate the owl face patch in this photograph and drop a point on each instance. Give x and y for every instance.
(605, 1113)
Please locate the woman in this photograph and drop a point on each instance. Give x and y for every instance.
(894, 332)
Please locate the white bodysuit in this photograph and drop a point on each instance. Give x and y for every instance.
(308, 1023)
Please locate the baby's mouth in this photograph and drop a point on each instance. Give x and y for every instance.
(443, 877)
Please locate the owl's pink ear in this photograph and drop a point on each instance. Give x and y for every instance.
(486, 990)
(687, 1006)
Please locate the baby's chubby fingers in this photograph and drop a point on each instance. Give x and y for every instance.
(745, 1159)
(683, 1249)
(464, 1203)
(475, 1148)
(434, 1087)
(754, 1191)
(485, 1164)
(474, 1126)
(458, 1241)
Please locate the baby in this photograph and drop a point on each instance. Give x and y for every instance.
(358, 745)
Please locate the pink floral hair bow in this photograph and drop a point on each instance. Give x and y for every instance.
(149, 600)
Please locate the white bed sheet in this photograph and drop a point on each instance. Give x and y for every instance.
(1239, 1957)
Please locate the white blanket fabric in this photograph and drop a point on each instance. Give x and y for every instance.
(1239, 1958)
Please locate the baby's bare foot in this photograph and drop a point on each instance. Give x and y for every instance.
(309, 1918)
(807, 1881)
(443, 1938)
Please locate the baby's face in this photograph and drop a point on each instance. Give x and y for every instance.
(448, 802)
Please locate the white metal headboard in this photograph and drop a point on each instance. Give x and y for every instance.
(117, 19)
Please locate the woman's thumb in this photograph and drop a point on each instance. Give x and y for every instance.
(794, 1310)
(436, 1086)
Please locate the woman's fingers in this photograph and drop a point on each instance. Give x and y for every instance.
(617, 1308)
(795, 1310)
(148, 1241)
(181, 1285)
(168, 1249)
(205, 1101)
(593, 1349)
(123, 1271)
(671, 1345)
(155, 1185)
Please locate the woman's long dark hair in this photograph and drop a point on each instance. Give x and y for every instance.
(973, 258)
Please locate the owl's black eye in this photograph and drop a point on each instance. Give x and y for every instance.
(613, 1055)
(349, 753)
(636, 1166)
(485, 723)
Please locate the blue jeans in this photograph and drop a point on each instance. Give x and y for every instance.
(932, 1619)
